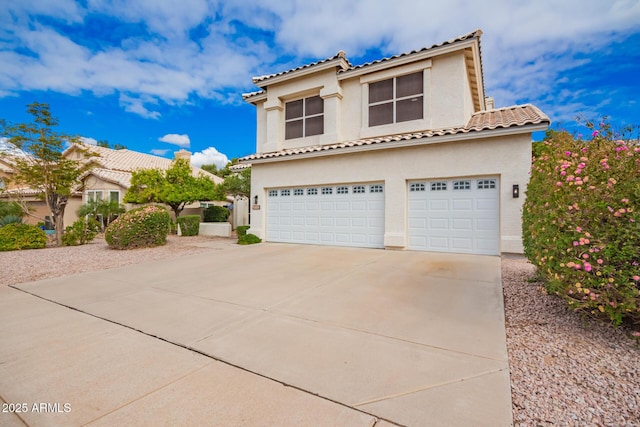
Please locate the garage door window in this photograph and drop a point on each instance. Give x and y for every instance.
(273, 193)
(375, 189)
(342, 190)
(438, 186)
(358, 189)
(327, 190)
(312, 191)
(298, 192)
(485, 184)
(462, 185)
(417, 187)
(285, 192)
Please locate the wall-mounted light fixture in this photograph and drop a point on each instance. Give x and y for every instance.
(255, 199)
(516, 191)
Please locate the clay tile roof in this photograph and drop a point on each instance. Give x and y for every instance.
(117, 177)
(246, 96)
(128, 161)
(476, 33)
(338, 55)
(508, 117)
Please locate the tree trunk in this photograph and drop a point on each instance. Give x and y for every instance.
(57, 204)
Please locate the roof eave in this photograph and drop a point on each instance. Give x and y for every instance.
(338, 62)
(473, 134)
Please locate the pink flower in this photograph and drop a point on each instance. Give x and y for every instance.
(599, 261)
(567, 153)
(558, 184)
(578, 229)
(636, 278)
(575, 243)
(587, 266)
(595, 133)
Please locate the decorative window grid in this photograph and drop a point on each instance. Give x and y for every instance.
(358, 189)
(484, 184)
(438, 186)
(298, 192)
(462, 185)
(273, 193)
(327, 190)
(376, 188)
(417, 186)
(312, 191)
(285, 192)
(342, 190)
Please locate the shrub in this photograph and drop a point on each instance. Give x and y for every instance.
(21, 236)
(81, 232)
(216, 214)
(10, 219)
(141, 227)
(242, 230)
(581, 222)
(189, 224)
(248, 239)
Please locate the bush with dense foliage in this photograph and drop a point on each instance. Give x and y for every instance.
(216, 214)
(248, 239)
(242, 230)
(10, 219)
(142, 227)
(21, 236)
(189, 224)
(581, 222)
(81, 232)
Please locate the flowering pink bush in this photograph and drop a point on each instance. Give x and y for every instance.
(581, 222)
(141, 227)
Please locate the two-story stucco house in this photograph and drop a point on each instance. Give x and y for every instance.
(404, 152)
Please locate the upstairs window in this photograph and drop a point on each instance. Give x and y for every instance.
(304, 117)
(114, 196)
(94, 195)
(396, 100)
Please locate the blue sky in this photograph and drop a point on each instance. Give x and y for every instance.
(160, 75)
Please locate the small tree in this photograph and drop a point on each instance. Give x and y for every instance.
(43, 168)
(176, 187)
(238, 184)
(103, 211)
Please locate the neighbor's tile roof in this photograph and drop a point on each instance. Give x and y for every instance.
(114, 164)
(117, 177)
(508, 117)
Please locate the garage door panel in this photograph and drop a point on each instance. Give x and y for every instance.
(454, 215)
(345, 215)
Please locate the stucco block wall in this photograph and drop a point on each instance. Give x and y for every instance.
(447, 103)
(507, 157)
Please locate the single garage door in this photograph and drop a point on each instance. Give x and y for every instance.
(338, 215)
(454, 215)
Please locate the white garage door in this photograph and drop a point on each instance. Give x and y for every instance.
(454, 215)
(339, 215)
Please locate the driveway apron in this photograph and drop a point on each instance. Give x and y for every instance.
(414, 338)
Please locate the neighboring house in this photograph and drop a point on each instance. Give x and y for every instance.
(109, 179)
(404, 152)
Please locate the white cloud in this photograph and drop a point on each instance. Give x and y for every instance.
(526, 46)
(160, 152)
(176, 139)
(88, 140)
(209, 156)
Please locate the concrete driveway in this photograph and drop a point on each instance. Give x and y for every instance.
(359, 335)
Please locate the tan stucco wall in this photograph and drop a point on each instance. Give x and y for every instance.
(447, 102)
(507, 157)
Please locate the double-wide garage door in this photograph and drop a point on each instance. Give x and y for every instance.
(339, 215)
(454, 215)
(445, 215)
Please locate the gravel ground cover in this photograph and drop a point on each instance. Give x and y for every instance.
(565, 370)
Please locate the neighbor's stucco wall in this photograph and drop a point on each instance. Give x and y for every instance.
(447, 102)
(507, 157)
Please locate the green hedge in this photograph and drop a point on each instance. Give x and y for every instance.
(21, 236)
(248, 239)
(216, 214)
(141, 227)
(581, 223)
(81, 232)
(242, 230)
(189, 224)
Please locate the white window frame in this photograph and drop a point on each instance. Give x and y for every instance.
(116, 192)
(94, 194)
(303, 117)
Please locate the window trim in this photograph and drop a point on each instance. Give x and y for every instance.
(95, 194)
(303, 117)
(394, 100)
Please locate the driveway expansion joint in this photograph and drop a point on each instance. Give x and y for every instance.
(217, 359)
